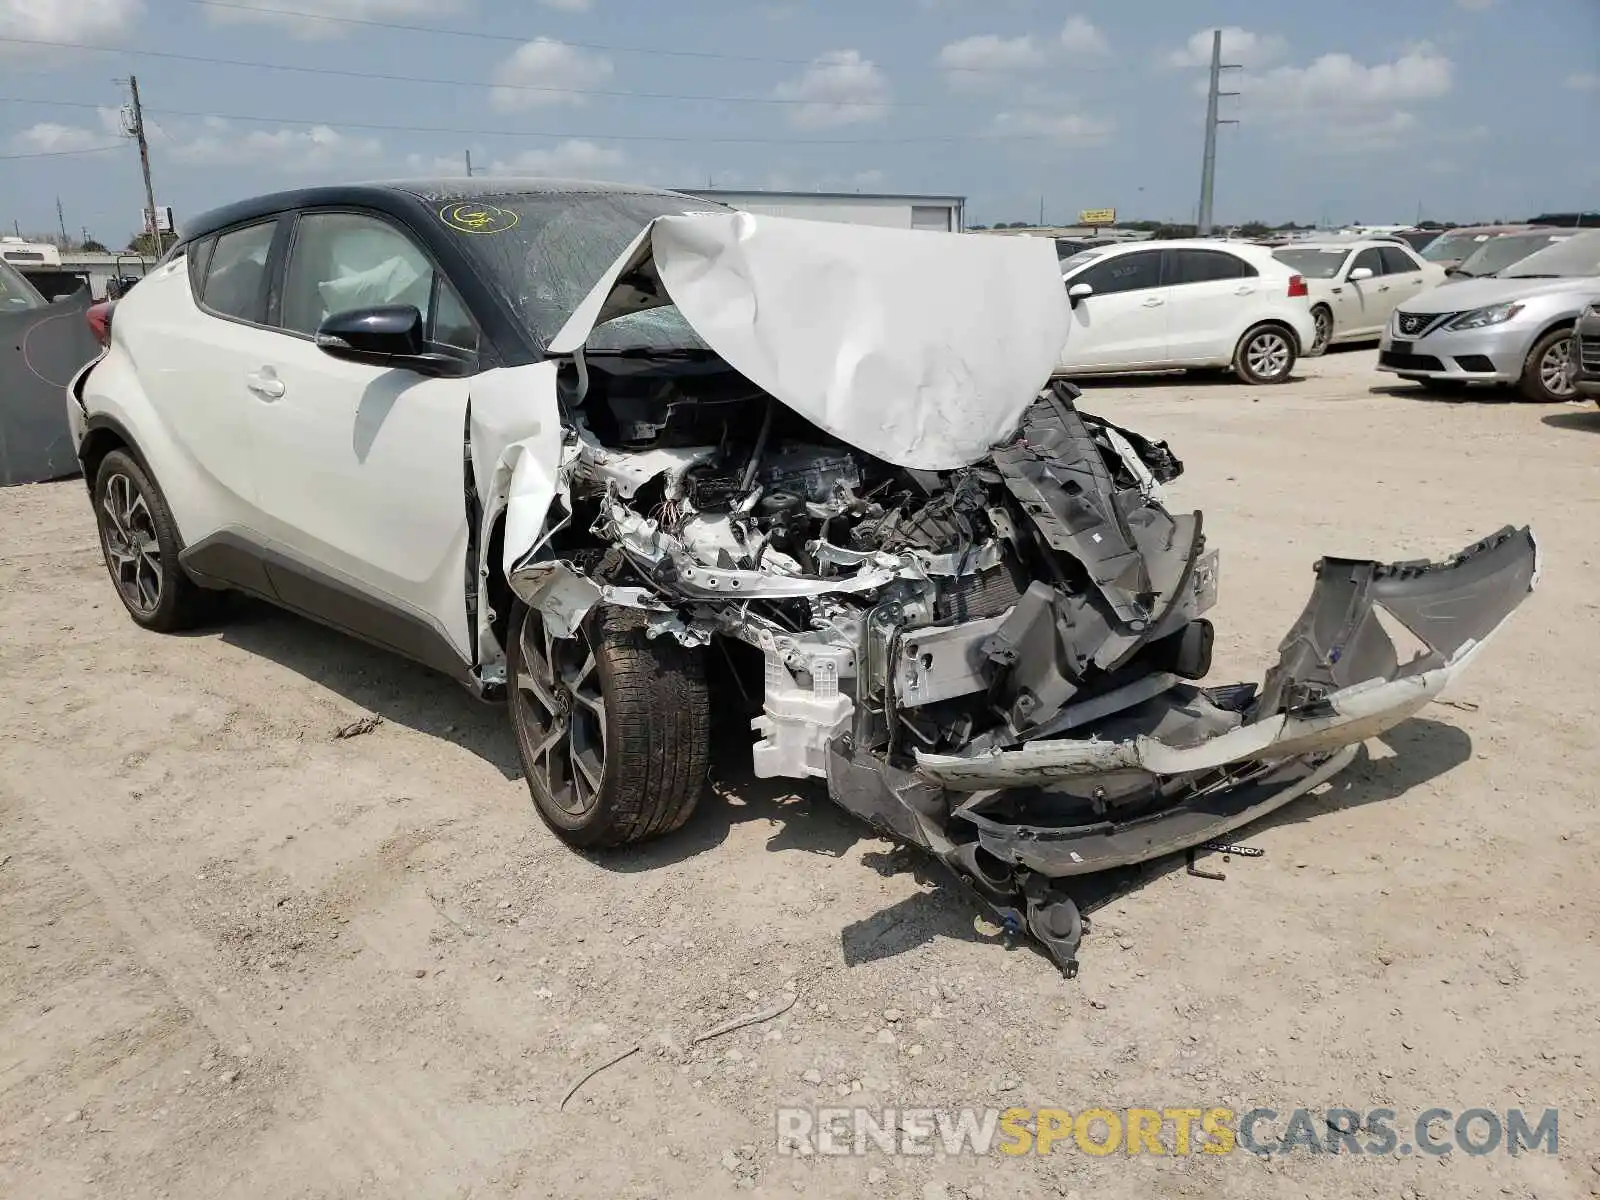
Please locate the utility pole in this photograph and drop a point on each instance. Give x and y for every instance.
(144, 163)
(469, 164)
(62, 221)
(1208, 171)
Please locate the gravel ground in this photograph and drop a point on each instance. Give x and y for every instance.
(243, 958)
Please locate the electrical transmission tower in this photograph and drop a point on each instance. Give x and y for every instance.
(1208, 171)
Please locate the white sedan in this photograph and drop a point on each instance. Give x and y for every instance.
(1151, 306)
(1355, 286)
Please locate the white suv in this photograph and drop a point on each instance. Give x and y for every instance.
(1151, 306)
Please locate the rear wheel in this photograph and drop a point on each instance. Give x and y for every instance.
(1265, 355)
(139, 541)
(612, 727)
(1322, 317)
(1547, 374)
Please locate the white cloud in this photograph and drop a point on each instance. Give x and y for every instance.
(547, 71)
(299, 18)
(1064, 129)
(1081, 36)
(989, 52)
(94, 21)
(1337, 83)
(1584, 81)
(47, 137)
(573, 6)
(575, 158)
(838, 88)
(53, 137)
(219, 142)
(1239, 46)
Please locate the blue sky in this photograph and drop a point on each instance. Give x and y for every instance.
(1349, 112)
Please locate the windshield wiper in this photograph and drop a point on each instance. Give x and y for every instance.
(1533, 276)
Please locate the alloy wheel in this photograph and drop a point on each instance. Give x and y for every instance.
(128, 532)
(1324, 334)
(1555, 370)
(1268, 354)
(562, 715)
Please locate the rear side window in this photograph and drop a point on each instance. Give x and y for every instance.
(1204, 266)
(1396, 261)
(1124, 273)
(236, 275)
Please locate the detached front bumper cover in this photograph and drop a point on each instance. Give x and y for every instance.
(1339, 680)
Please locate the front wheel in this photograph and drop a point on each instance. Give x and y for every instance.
(1322, 318)
(612, 726)
(1547, 374)
(1265, 355)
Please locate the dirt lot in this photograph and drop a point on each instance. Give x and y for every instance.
(243, 958)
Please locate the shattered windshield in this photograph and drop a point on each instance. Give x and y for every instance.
(1313, 264)
(1573, 257)
(544, 252)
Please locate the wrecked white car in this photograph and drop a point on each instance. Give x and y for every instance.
(577, 444)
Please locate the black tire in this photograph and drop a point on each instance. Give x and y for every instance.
(140, 544)
(1538, 372)
(653, 726)
(1265, 355)
(1323, 316)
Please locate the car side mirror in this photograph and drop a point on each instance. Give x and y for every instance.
(1360, 273)
(385, 335)
(1079, 291)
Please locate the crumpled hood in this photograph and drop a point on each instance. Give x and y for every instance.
(922, 349)
(1459, 295)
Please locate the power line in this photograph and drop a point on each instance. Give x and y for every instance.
(61, 153)
(466, 83)
(610, 48)
(340, 123)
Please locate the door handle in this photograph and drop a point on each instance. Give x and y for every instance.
(1243, 291)
(1384, 288)
(265, 383)
(1338, 291)
(1154, 302)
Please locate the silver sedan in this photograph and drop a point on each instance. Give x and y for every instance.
(1512, 328)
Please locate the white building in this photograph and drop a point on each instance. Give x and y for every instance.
(943, 214)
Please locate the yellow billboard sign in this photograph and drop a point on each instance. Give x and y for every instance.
(1098, 216)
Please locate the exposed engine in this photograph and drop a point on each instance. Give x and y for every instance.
(912, 610)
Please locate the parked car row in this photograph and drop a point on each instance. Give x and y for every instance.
(1515, 327)
(1355, 286)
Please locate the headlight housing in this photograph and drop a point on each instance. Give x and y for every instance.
(1494, 314)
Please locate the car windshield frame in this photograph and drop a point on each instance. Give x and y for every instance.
(1575, 257)
(1339, 257)
(542, 253)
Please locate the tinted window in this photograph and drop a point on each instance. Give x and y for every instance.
(1396, 261)
(1124, 273)
(1371, 259)
(236, 277)
(1204, 266)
